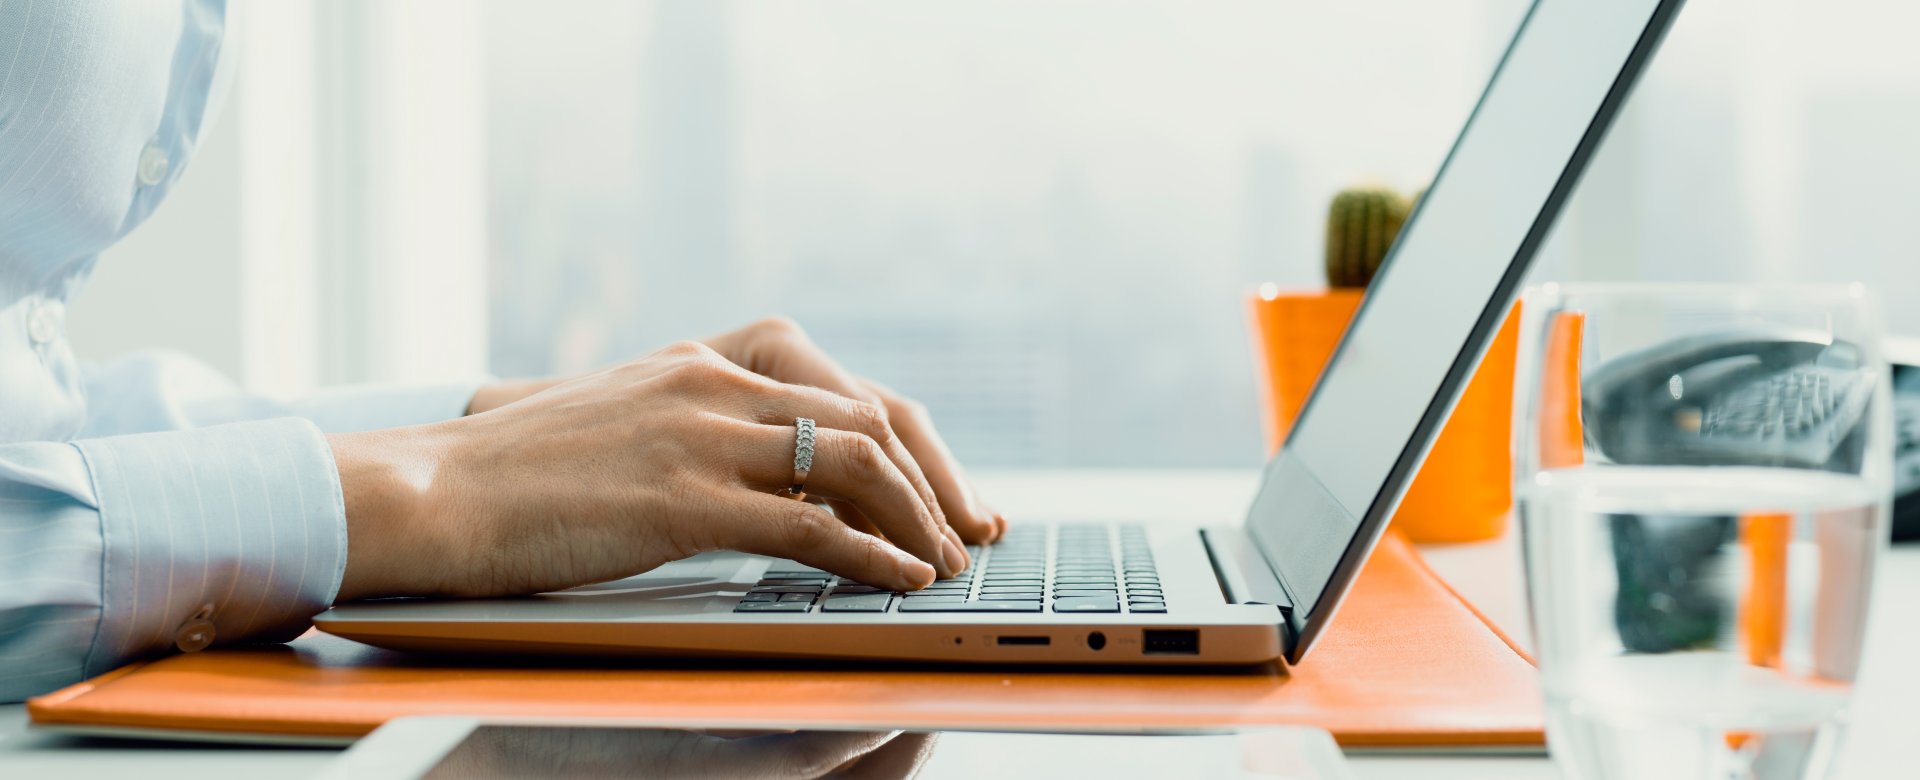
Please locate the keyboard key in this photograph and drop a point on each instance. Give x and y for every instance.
(926, 605)
(938, 598)
(1076, 592)
(1147, 608)
(857, 589)
(803, 598)
(1145, 600)
(1029, 596)
(761, 597)
(863, 602)
(772, 606)
(794, 570)
(1083, 580)
(810, 589)
(1086, 604)
(775, 581)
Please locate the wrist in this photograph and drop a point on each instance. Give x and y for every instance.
(389, 481)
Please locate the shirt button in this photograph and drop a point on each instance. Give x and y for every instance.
(153, 165)
(43, 323)
(196, 634)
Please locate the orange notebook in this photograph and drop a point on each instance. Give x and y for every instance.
(1407, 664)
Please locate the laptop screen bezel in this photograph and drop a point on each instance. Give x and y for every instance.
(1306, 623)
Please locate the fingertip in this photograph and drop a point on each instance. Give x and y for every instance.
(956, 551)
(973, 528)
(916, 573)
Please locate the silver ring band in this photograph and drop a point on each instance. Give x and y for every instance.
(802, 453)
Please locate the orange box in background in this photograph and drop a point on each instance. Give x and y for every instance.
(1464, 490)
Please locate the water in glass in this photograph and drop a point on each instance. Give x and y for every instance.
(1698, 622)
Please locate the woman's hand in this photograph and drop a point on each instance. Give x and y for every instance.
(778, 349)
(617, 472)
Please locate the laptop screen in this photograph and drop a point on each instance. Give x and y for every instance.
(1446, 285)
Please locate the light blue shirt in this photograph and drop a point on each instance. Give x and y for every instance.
(146, 505)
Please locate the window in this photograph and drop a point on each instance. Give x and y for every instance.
(1039, 218)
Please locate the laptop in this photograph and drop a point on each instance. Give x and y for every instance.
(1125, 594)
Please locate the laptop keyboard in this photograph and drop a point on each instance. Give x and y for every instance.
(1078, 568)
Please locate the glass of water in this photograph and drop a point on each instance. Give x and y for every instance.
(1703, 477)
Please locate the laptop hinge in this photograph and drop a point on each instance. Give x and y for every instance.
(1245, 576)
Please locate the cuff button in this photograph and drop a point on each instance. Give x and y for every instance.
(198, 633)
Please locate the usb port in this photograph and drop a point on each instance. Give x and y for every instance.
(1024, 640)
(1172, 641)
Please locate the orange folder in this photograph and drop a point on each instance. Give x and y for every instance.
(1407, 664)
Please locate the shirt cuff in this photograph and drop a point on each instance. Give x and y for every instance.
(370, 407)
(214, 534)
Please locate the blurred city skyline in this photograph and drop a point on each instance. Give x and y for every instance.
(1040, 219)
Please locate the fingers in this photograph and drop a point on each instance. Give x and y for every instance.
(898, 759)
(779, 349)
(854, 468)
(765, 524)
(852, 516)
(975, 522)
(780, 404)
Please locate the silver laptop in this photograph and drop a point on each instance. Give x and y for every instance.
(1095, 594)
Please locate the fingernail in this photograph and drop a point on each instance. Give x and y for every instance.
(954, 537)
(916, 573)
(956, 557)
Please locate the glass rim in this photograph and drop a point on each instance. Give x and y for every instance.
(1856, 293)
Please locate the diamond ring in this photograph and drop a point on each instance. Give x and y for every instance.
(802, 455)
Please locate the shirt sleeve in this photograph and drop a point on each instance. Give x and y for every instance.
(123, 547)
(187, 513)
(371, 407)
(161, 391)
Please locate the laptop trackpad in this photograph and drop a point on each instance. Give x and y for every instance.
(696, 584)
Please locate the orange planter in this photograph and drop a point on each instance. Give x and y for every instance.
(1465, 488)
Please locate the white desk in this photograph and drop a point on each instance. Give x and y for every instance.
(1887, 712)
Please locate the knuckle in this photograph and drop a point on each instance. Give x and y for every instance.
(779, 326)
(706, 369)
(911, 409)
(870, 419)
(806, 527)
(866, 461)
(686, 349)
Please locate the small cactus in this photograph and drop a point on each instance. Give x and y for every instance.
(1361, 225)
